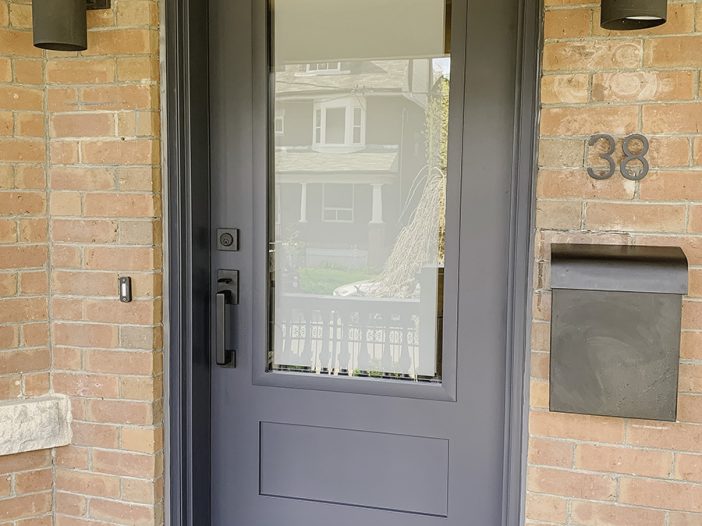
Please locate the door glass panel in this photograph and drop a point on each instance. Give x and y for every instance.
(357, 187)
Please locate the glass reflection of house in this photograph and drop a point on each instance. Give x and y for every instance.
(350, 141)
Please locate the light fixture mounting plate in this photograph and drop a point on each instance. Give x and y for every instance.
(98, 4)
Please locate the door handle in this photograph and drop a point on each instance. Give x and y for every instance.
(227, 294)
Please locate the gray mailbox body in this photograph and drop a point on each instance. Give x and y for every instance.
(615, 329)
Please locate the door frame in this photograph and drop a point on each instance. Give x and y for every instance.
(187, 242)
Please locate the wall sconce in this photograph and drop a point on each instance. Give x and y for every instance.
(622, 15)
(60, 25)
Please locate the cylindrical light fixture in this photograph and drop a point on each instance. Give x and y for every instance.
(60, 25)
(633, 14)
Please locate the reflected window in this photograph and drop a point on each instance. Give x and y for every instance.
(338, 203)
(339, 122)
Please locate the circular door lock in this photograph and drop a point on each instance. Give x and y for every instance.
(227, 239)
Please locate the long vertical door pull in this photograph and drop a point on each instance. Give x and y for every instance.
(227, 294)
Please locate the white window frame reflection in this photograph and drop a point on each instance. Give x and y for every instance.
(337, 209)
(279, 123)
(351, 107)
(315, 69)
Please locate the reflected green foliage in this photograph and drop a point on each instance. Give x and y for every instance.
(324, 280)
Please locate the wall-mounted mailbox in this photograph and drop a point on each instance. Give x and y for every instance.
(615, 330)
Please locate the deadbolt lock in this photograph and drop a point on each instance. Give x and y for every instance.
(228, 239)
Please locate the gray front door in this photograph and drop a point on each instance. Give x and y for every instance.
(364, 151)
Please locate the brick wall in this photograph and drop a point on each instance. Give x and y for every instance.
(590, 471)
(80, 206)
(25, 360)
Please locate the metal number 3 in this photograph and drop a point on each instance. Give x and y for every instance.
(629, 157)
(607, 156)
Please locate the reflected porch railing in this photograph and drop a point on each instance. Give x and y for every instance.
(354, 336)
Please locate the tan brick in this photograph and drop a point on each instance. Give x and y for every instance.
(558, 215)
(17, 43)
(690, 408)
(556, 453)
(120, 258)
(9, 337)
(565, 184)
(672, 118)
(85, 283)
(33, 481)
(143, 440)
(38, 384)
(68, 125)
(86, 385)
(572, 484)
(121, 42)
(66, 257)
(688, 467)
(24, 360)
(122, 513)
(22, 150)
(684, 519)
(568, 23)
(29, 125)
(692, 315)
(119, 205)
(661, 494)
(119, 412)
(635, 217)
(33, 230)
(546, 508)
(137, 13)
(66, 358)
(33, 283)
(95, 435)
(29, 71)
(30, 177)
(12, 257)
(119, 362)
(24, 506)
(586, 120)
(23, 309)
(87, 483)
(62, 99)
(8, 231)
(5, 69)
(66, 309)
(65, 204)
(81, 71)
(25, 461)
(81, 335)
(676, 51)
(71, 504)
(63, 152)
(124, 464)
(600, 514)
(35, 334)
(643, 85)
(668, 152)
(14, 97)
(591, 55)
(78, 178)
(137, 68)
(647, 463)
(577, 427)
(138, 151)
(142, 491)
(18, 203)
(84, 231)
(120, 97)
(681, 437)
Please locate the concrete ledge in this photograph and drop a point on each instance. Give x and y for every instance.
(35, 423)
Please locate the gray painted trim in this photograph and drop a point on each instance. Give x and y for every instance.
(188, 260)
(521, 261)
(187, 159)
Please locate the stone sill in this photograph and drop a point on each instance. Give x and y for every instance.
(34, 423)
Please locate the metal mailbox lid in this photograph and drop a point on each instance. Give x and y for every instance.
(623, 268)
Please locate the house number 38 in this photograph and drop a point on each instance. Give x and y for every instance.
(634, 166)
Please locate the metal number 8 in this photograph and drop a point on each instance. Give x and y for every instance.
(607, 156)
(630, 156)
